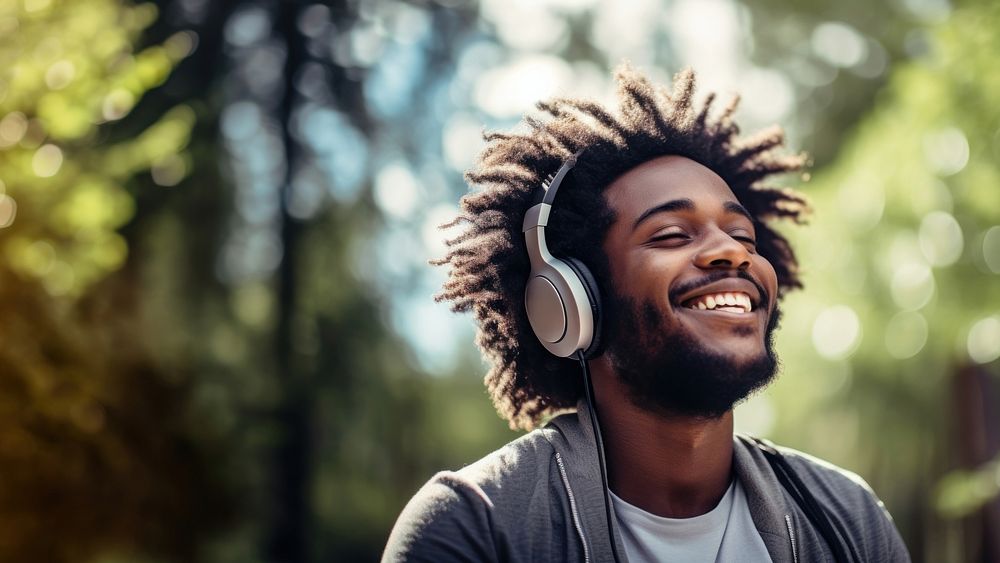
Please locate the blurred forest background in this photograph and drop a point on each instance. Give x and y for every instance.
(218, 338)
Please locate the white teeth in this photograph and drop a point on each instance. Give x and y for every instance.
(724, 301)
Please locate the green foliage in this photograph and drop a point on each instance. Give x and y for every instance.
(94, 444)
(962, 492)
(897, 277)
(69, 71)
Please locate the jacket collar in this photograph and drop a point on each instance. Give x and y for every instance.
(574, 440)
(765, 498)
(572, 436)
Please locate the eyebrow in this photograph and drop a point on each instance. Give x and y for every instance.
(666, 207)
(733, 207)
(686, 204)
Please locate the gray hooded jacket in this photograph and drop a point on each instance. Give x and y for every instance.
(540, 498)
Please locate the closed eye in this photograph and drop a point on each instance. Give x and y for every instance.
(750, 242)
(668, 236)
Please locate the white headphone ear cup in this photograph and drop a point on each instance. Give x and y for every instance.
(545, 307)
(559, 309)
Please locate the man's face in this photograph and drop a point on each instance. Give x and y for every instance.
(694, 305)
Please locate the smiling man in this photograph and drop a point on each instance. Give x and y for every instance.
(649, 319)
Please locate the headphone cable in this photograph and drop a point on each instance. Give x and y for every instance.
(589, 390)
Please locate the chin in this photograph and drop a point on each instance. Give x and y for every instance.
(741, 355)
(670, 370)
(699, 393)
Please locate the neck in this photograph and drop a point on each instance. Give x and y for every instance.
(671, 466)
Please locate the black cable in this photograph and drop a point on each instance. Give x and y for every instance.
(831, 525)
(830, 530)
(589, 391)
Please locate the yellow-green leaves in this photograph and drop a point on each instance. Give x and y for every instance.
(67, 69)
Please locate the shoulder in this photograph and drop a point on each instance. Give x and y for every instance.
(842, 490)
(462, 515)
(850, 499)
(519, 462)
(444, 521)
(824, 479)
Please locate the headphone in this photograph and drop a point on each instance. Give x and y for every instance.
(561, 295)
(564, 309)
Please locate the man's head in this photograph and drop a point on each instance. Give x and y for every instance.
(692, 304)
(620, 176)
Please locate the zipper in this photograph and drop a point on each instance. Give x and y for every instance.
(791, 534)
(572, 507)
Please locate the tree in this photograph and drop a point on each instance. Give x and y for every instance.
(901, 298)
(94, 444)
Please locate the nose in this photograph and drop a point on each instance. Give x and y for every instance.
(721, 251)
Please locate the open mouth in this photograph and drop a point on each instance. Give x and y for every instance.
(735, 302)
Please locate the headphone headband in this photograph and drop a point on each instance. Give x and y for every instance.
(553, 186)
(538, 214)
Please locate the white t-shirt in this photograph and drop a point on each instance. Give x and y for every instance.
(724, 534)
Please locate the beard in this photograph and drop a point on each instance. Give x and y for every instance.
(665, 370)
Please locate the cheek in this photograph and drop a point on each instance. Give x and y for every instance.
(649, 275)
(767, 276)
(646, 277)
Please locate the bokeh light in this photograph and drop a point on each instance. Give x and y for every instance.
(46, 161)
(912, 286)
(946, 151)
(991, 249)
(940, 239)
(984, 340)
(396, 190)
(8, 210)
(906, 335)
(839, 44)
(836, 332)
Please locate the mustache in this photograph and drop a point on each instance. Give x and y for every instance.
(715, 276)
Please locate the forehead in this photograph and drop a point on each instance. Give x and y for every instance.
(663, 179)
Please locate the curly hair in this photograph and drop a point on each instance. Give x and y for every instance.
(488, 261)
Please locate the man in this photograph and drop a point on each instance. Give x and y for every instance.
(661, 229)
